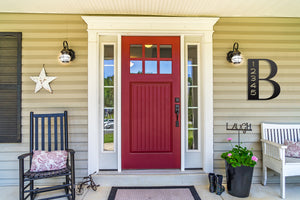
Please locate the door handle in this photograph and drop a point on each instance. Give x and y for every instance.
(177, 114)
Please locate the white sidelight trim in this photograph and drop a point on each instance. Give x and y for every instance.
(93, 102)
(201, 27)
(207, 101)
(182, 102)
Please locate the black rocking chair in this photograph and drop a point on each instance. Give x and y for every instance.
(56, 136)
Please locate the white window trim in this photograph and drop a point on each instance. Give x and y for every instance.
(168, 26)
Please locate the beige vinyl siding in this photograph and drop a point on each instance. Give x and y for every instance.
(43, 36)
(277, 39)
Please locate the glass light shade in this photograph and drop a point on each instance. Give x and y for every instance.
(236, 59)
(65, 58)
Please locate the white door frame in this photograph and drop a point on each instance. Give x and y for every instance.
(155, 26)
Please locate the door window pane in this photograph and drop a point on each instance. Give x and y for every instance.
(192, 55)
(192, 76)
(193, 118)
(193, 139)
(136, 67)
(192, 97)
(165, 67)
(109, 52)
(108, 140)
(150, 67)
(108, 97)
(108, 116)
(108, 75)
(150, 51)
(165, 51)
(136, 51)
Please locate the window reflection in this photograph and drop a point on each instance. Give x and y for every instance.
(165, 67)
(109, 52)
(192, 97)
(193, 140)
(108, 97)
(108, 75)
(165, 51)
(192, 54)
(136, 51)
(136, 67)
(150, 67)
(192, 76)
(150, 51)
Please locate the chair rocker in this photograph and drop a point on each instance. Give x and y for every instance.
(55, 136)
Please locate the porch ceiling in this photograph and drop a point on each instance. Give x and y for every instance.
(219, 8)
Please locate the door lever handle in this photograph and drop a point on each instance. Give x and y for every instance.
(177, 114)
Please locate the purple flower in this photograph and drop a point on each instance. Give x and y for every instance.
(254, 158)
(229, 139)
(230, 154)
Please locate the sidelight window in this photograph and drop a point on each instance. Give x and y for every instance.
(192, 93)
(109, 97)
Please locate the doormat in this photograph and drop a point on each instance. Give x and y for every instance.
(154, 193)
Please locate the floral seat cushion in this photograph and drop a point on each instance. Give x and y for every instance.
(48, 161)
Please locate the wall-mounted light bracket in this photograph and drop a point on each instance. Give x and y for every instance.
(67, 54)
(234, 56)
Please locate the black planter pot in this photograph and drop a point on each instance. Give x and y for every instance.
(239, 180)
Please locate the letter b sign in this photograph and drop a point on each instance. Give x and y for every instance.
(253, 79)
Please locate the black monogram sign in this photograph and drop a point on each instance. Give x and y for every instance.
(253, 79)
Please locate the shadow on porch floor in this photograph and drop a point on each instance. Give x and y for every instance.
(258, 192)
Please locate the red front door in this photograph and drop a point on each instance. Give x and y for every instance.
(150, 99)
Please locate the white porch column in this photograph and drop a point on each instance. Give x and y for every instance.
(93, 102)
(207, 100)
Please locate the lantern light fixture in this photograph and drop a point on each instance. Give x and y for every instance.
(234, 56)
(67, 54)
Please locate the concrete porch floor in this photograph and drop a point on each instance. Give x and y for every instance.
(258, 192)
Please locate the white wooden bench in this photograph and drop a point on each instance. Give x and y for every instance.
(273, 150)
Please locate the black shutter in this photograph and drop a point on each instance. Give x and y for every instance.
(10, 86)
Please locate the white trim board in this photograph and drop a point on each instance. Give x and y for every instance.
(142, 26)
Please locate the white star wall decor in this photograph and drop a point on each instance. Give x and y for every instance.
(42, 81)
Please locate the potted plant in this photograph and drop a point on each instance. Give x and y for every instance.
(240, 162)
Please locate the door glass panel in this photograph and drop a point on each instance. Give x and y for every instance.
(192, 76)
(136, 67)
(108, 140)
(108, 97)
(192, 97)
(193, 118)
(150, 67)
(150, 51)
(108, 116)
(165, 51)
(109, 52)
(193, 140)
(192, 55)
(136, 51)
(108, 75)
(165, 67)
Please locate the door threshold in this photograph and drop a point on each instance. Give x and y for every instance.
(153, 171)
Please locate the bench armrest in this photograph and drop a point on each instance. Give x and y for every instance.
(274, 144)
(273, 150)
(71, 151)
(21, 157)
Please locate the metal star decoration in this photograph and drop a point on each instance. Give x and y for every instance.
(42, 81)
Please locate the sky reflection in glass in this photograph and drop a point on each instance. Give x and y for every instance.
(136, 67)
(165, 67)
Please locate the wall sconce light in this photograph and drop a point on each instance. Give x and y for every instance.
(234, 56)
(67, 54)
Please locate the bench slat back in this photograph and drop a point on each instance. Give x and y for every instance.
(278, 132)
